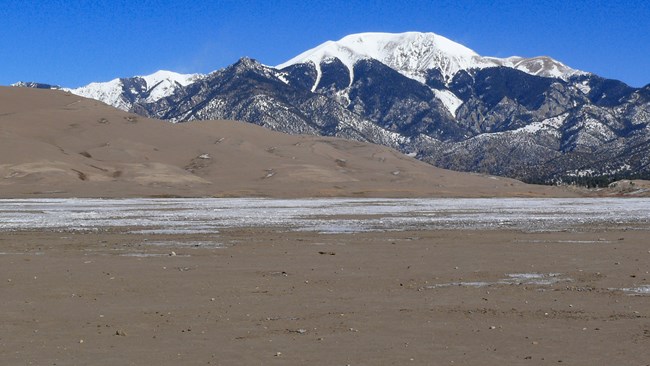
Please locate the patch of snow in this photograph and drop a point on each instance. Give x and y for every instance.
(149, 255)
(178, 231)
(319, 74)
(553, 123)
(343, 97)
(449, 99)
(641, 290)
(463, 284)
(547, 67)
(566, 241)
(208, 216)
(164, 75)
(584, 173)
(538, 279)
(283, 77)
(584, 87)
(184, 244)
(534, 278)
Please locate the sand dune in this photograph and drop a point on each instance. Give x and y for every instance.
(57, 144)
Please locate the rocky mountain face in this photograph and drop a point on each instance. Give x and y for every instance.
(534, 119)
(248, 91)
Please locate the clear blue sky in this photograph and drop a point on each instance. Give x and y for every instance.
(74, 42)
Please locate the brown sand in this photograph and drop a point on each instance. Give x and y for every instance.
(55, 144)
(270, 298)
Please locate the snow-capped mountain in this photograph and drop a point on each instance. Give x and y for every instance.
(123, 93)
(534, 119)
(425, 57)
(539, 66)
(30, 84)
(413, 54)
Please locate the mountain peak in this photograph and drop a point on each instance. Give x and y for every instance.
(247, 62)
(169, 76)
(413, 53)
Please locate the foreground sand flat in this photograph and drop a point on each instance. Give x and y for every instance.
(276, 296)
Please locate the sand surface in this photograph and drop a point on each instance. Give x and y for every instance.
(268, 296)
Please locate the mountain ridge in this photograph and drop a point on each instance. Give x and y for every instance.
(413, 53)
(534, 119)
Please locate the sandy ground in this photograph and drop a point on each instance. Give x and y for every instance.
(266, 297)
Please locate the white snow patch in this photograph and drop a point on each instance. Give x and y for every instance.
(149, 255)
(534, 278)
(566, 241)
(641, 290)
(463, 284)
(584, 87)
(449, 99)
(553, 123)
(539, 279)
(184, 244)
(199, 216)
(164, 75)
(283, 77)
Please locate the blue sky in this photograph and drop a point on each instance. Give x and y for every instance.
(74, 42)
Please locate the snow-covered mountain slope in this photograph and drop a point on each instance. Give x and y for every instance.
(414, 53)
(539, 66)
(164, 83)
(109, 92)
(124, 92)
